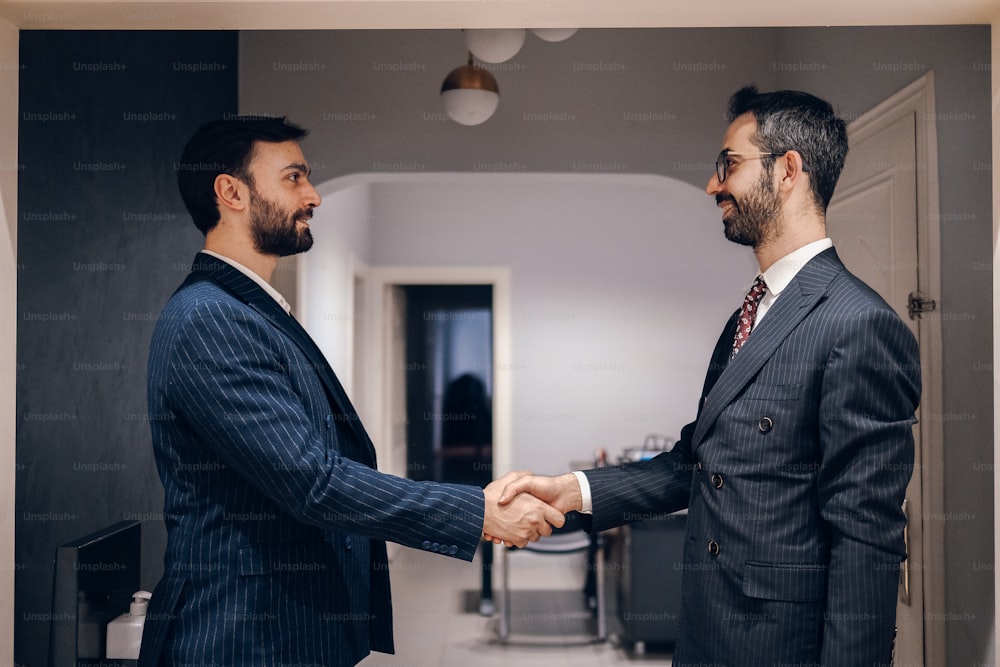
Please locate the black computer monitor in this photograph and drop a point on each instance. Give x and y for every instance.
(95, 577)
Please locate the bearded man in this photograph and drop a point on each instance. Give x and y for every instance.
(276, 515)
(795, 469)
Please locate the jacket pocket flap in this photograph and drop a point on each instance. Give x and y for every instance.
(788, 582)
(772, 392)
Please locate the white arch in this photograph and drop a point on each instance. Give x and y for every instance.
(654, 227)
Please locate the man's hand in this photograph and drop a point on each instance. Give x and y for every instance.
(519, 520)
(562, 492)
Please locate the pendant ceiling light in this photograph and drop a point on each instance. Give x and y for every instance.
(495, 45)
(470, 94)
(554, 34)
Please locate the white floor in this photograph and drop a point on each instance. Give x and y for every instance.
(436, 627)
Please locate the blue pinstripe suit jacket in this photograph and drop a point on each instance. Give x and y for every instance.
(276, 516)
(793, 474)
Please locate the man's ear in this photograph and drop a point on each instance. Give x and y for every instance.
(230, 192)
(794, 168)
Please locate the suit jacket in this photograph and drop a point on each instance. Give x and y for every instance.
(794, 474)
(276, 516)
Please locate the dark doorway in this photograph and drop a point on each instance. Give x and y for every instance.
(449, 382)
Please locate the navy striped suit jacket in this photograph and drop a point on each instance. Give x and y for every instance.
(276, 516)
(794, 474)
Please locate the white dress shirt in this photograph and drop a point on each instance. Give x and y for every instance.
(779, 274)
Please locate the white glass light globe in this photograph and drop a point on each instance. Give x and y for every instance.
(495, 45)
(554, 34)
(469, 106)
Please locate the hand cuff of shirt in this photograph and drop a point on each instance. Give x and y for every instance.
(586, 503)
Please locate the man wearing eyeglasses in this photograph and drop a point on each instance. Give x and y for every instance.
(795, 469)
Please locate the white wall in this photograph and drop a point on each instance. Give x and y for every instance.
(8, 326)
(324, 301)
(619, 288)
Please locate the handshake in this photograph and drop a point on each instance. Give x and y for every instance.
(522, 507)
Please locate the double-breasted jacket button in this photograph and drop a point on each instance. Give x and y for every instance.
(765, 424)
(713, 548)
(717, 481)
(697, 466)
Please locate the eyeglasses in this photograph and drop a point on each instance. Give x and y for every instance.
(722, 163)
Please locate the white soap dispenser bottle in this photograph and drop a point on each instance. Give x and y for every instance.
(125, 632)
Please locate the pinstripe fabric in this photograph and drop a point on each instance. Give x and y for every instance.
(793, 474)
(276, 517)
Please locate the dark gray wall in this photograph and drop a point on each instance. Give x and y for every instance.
(605, 101)
(103, 239)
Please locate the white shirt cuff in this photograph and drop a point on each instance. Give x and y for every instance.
(586, 503)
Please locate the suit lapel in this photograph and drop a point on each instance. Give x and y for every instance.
(796, 301)
(207, 267)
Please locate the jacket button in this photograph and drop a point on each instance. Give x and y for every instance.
(426, 545)
(717, 481)
(713, 548)
(348, 543)
(329, 421)
(765, 424)
(452, 550)
(697, 466)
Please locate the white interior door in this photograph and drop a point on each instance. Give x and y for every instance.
(874, 221)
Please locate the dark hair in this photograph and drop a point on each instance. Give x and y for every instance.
(792, 120)
(224, 147)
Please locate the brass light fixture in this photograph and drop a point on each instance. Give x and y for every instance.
(470, 94)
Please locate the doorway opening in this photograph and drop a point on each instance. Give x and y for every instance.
(449, 383)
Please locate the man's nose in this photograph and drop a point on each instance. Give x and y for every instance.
(713, 187)
(312, 197)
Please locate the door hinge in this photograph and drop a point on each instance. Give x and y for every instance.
(917, 304)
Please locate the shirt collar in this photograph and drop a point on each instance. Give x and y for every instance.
(264, 285)
(779, 274)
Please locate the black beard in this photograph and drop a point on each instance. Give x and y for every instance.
(275, 231)
(752, 222)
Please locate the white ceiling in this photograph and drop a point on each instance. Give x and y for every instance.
(331, 14)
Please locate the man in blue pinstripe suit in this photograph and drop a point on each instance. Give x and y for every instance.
(276, 515)
(795, 470)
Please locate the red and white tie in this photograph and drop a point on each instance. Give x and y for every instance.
(748, 313)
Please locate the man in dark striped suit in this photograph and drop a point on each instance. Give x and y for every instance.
(795, 470)
(276, 515)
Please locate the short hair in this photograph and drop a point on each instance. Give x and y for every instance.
(224, 146)
(793, 120)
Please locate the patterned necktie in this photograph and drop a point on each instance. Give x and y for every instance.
(748, 313)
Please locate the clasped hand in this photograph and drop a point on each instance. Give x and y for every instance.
(522, 507)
